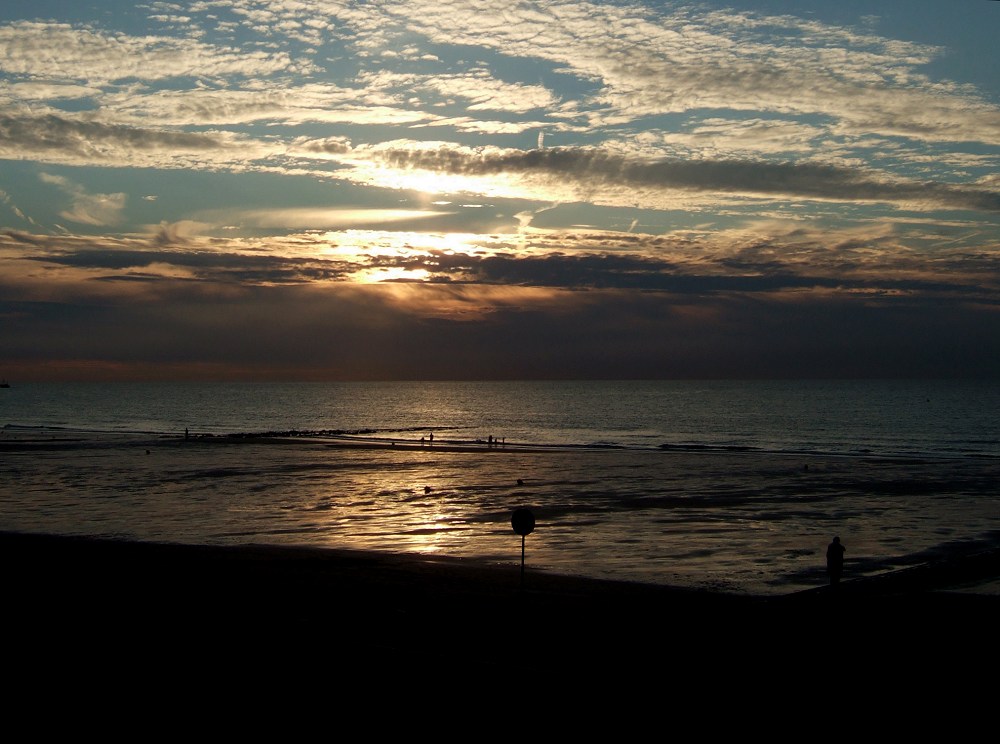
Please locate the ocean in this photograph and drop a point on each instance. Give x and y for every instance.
(892, 418)
(728, 485)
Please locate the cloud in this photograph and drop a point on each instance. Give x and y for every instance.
(327, 218)
(755, 260)
(5, 199)
(478, 88)
(683, 59)
(60, 51)
(372, 332)
(72, 141)
(178, 234)
(749, 137)
(15, 93)
(775, 86)
(595, 175)
(813, 200)
(327, 147)
(86, 208)
(297, 104)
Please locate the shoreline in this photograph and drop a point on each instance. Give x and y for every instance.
(47, 555)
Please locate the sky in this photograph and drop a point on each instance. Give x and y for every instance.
(483, 190)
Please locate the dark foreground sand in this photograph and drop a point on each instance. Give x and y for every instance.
(377, 614)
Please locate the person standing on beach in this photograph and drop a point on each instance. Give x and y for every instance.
(835, 560)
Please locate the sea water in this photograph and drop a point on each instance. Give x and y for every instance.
(882, 417)
(726, 485)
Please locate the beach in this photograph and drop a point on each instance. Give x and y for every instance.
(152, 550)
(376, 613)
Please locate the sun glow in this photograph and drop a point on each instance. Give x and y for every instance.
(362, 243)
(390, 274)
(393, 256)
(430, 182)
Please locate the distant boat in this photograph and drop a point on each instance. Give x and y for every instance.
(4, 383)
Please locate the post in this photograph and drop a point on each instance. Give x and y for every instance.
(522, 561)
(523, 522)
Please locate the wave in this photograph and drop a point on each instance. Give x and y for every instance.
(375, 436)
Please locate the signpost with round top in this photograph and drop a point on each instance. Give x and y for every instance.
(523, 522)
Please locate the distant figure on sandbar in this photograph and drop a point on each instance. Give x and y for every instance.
(489, 442)
(186, 436)
(421, 441)
(432, 437)
(835, 560)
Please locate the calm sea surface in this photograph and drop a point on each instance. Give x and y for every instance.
(729, 485)
(934, 418)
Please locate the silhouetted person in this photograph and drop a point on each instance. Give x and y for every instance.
(835, 560)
